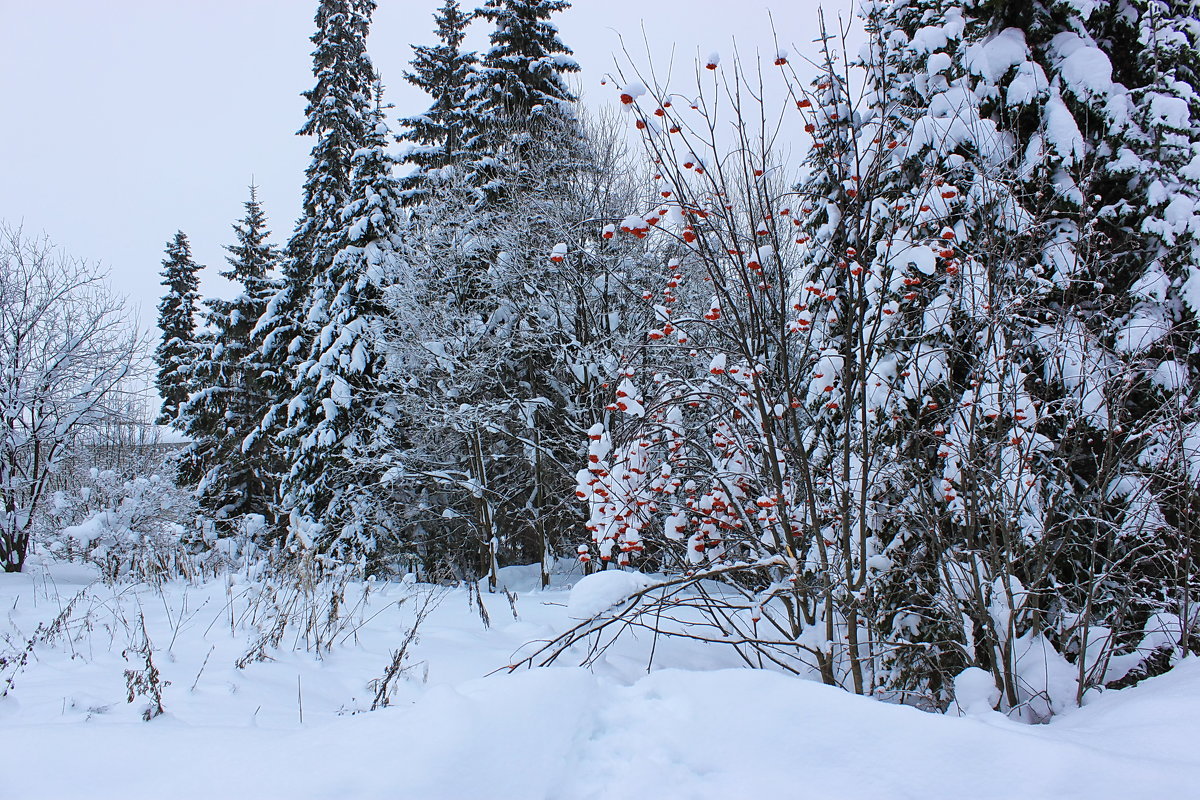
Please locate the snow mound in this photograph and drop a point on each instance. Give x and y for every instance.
(975, 691)
(600, 591)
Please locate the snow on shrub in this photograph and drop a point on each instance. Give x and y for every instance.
(599, 592)
(141, 527)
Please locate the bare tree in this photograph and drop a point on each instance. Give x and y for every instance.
(67, 347)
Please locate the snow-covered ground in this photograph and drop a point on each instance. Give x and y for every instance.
(695, 726)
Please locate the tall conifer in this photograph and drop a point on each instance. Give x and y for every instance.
(437, 137)
(176, 352)
(337, 114)
(524, 119)
(341, 406)
(230, 399)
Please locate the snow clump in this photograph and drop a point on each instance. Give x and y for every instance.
(975, 691)
(597, 593)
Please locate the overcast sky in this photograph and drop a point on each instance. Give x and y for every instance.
(126, 120)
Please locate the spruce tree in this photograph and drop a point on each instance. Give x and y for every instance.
(437, 137)
(176, 352)
(527, 152)
(982, 385)
(493, 367)
(521, 75)
(340, 406)
(966, 473)
(1116, 112)
(337, 114)
(230, 399)
(1149, 218)
(1025, 352)
(520, 101)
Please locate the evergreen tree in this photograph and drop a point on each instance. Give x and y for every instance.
(485, 356)
(437, 137)
(230, 400)
(969, 387)
(341, 405)
(1117, 115)
(1020, 352)
(176, 352)
(958, 452)
(503, 344)
(337, 114)
(1149, 224)
(520, 101)
(521, 75)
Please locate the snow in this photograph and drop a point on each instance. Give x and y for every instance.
(1170, 376)
(1027, 84)
(600, 591)
(1191, 451)
(1190, 291)
(1169, 112)
(937, 37)
(1062, 132)
(1084, 7)
(1048, 682)
(1192, 170)
(1084, 68)
(937, 63)
(629, 398)
(1153, 285)
(1181, 214)
(694, 726)
(1162, 630)
(340, 392)
(631, 91)
(904, 253)
(1082, 366)
(1140, 333)
(89, 530)
(975, 691)
(993, 58)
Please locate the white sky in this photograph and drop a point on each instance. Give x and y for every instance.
(126, 120)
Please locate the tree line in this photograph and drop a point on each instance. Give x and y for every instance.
(924, 402)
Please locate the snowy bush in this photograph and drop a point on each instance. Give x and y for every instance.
(142, 528)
